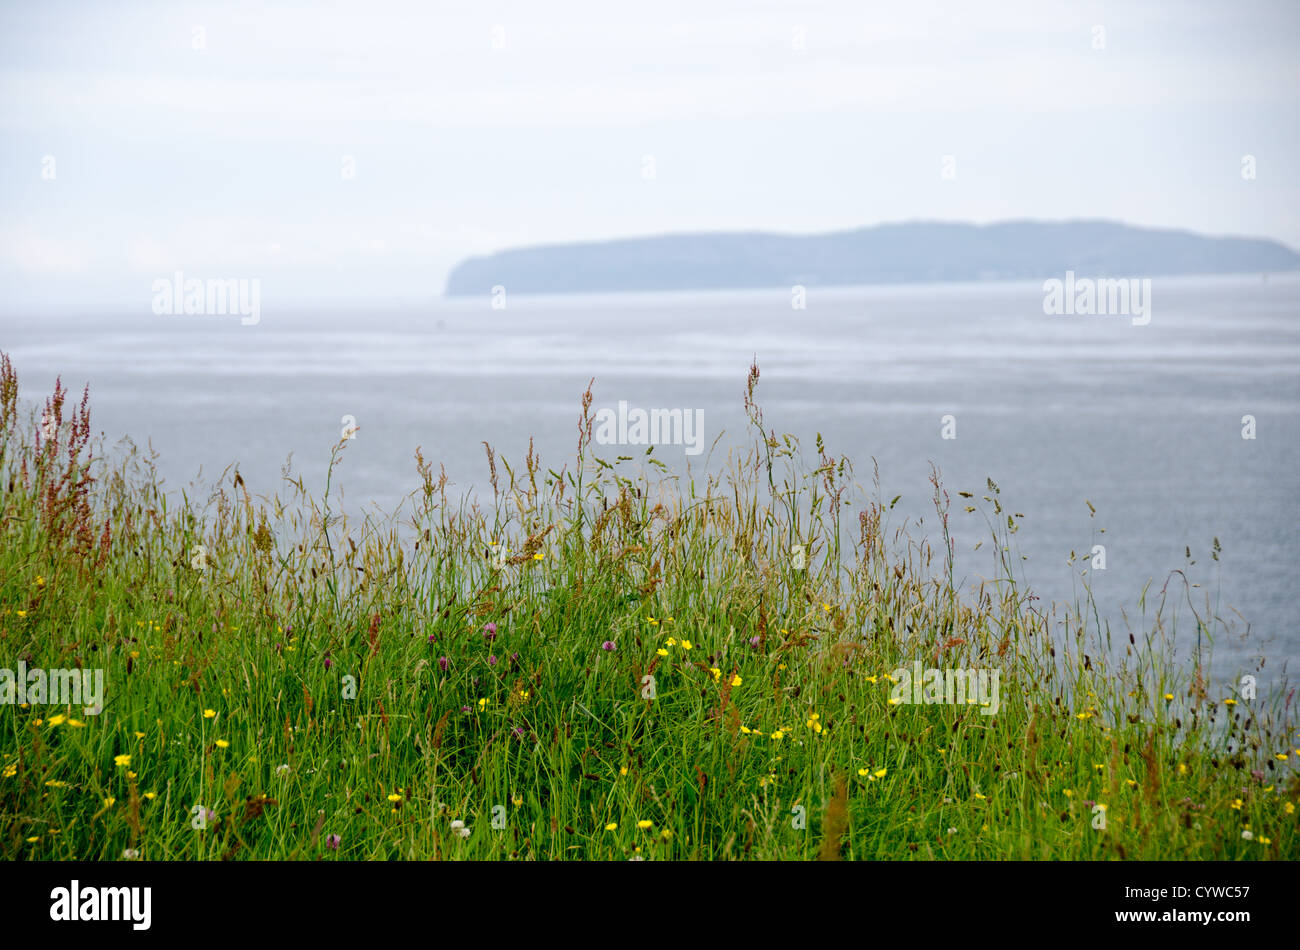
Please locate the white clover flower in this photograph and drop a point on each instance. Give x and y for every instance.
(1248, 834)
(797, 558)
(130, 854)
(199, 559)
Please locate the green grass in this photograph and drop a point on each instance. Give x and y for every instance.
(556, 739)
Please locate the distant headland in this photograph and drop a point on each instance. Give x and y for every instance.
(910, 252)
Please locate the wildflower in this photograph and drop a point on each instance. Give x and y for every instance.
(798, 560)
(1182, 768)
(516, 801)
(130, 854)
(895, 700)
(328, 663)
(870, 679)
(1247, 834)
(333, 841)
(492, 659)
(652, 621)
(108, 802)
(139, 735)
(1264, 840)
(622, 770)
(443, 663)
(121, 760)
(489, 631)
(1067, 792)
(1229, 701)
(1236, 804)
(151, 795)
(672, 641)
(753, 641)
(58, 719)
(55, 783)
(458, 826)
(21, 613)
(1130, 783)
(539, 556)
(483, 704)
(686, 644)
(736, 680)
(952, 831)
(981, 797)
(778, 735)
(33, 839)
(223, 744)
(643, 824)
(717, 673)
(612, 826)
(199, 559)
(1281, 756)
(40, 581)
(432, 637)
(864, 772)
(608, 646)
(880, 773)
(282, 769)
(209, 714)
(394, 798)
(666, 834)
(1289, 808)
(662, 652)
(76, 724)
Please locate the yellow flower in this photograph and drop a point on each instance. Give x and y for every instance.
(736, 680)
(672, 641)
(108, 802)
(21, 613)
(880, 773)
(394, 797)
(55, 783)
(686, 644)
(667, 834)
(1281, 756)
(623, 770)
(1130, 783)
(864, 772)
(151, 795)
(1289, 808)
(209, 714)
(58, 719)
(223, 744)
(870, 679)
(745, 729)
(10, 770)
(1229, 701)
(717, 673)
(778, 735)
(894, 700)
(1067, 792)
(34, 839)
(76, 724)
(482, 704)
(133, 775)
(539, 556)
(662, 652)
(644, 824)
(1169, 697)
(122, 760)
(612, 826)
(1236, 804)
(652, 621)
(982, 798)
(1182, 768)
(139, 735)
(516, 801)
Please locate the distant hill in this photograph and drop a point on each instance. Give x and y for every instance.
(888, 253)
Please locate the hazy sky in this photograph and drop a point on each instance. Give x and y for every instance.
(481, 125)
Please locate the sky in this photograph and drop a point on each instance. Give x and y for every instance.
(357, 151)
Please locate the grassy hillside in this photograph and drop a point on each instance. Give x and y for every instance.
(600, 661)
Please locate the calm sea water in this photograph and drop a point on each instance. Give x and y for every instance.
(1143, 421)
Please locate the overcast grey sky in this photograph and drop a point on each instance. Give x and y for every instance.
(481, 125)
